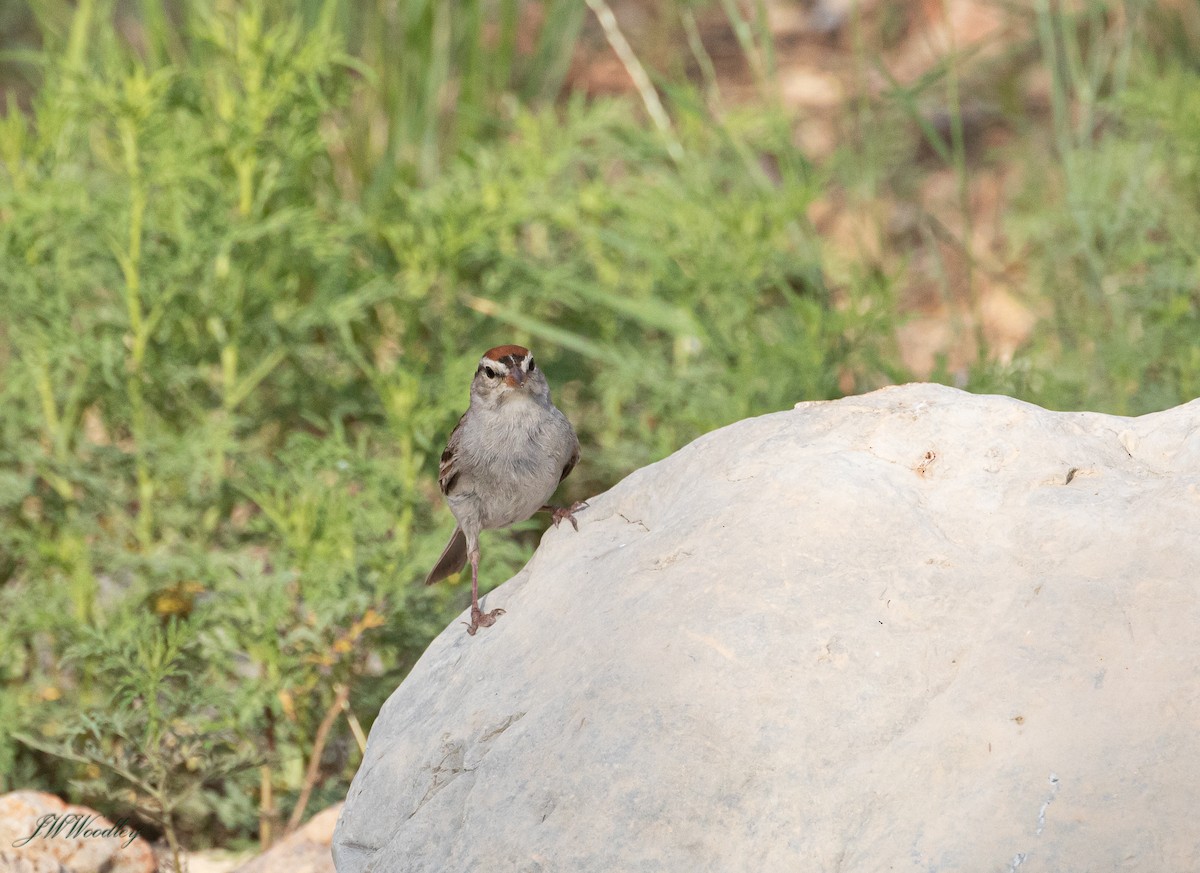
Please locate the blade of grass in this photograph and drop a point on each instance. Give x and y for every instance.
(555, 46)
(537, 327)
(637, 73)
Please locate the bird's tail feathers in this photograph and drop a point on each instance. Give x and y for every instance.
(453, 559)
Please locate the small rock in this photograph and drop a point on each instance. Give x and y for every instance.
(39, 833)
(304, 851)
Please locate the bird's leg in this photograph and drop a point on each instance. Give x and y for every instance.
(558, 513)
(479, 618)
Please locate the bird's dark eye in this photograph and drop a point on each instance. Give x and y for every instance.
(532, 365)
(491, 374)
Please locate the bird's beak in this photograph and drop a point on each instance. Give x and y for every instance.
(515, 377)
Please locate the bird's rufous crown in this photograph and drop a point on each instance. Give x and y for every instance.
(506, 351)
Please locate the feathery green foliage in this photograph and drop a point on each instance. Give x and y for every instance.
(236, 335)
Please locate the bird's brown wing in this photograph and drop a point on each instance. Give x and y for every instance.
(571, 461)
(448, 469)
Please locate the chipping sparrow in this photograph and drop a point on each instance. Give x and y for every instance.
(505, 457)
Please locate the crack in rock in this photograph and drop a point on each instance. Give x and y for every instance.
(490, 736)
(454, 756)
(636, 521)
(1041, 819)
(444, 772)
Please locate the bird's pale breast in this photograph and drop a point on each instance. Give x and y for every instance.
(518, 462)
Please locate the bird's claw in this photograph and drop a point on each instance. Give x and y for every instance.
(479, 619)
(568, 512)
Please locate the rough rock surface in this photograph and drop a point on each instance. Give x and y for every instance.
(916, 630)
(67, 849)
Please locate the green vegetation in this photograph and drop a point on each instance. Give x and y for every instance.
(250, 252)
(1111, 226)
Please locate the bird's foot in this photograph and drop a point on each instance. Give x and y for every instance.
(479, 619)
(558, 513)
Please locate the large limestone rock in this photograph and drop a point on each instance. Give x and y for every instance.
(917, 630)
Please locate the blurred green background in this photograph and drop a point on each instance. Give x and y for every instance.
(250, 253)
